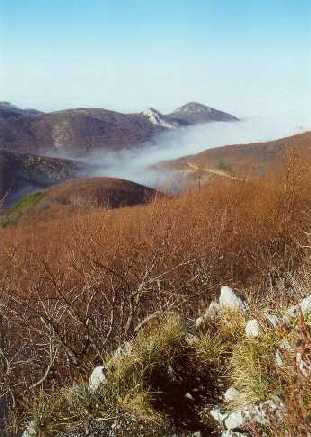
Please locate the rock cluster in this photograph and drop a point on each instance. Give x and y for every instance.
(227, 300)
(231, 419)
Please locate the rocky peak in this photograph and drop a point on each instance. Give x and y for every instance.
(194, 107)
(155, 117)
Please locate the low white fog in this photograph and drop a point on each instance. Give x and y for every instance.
(136, 164)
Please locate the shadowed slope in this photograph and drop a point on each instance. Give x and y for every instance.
(23, 173)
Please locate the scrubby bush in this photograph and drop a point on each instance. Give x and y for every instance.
(74, 288)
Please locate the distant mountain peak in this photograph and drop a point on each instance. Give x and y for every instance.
(194, 107)
(197, 113)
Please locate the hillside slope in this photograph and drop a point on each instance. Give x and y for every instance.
(76, 288)
(78, 196)
(239, 160)
(97, 192)
(22, 173)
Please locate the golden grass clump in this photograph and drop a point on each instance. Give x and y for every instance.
(253, 368)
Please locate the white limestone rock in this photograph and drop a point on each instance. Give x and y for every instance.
(305, 305)
(97, 378)
(234, 420)
(250, 413)
(273, 319)
(228, 299)
(218, 415)
(211, 312)
(155, 117)
(231, 395)
(252, 328)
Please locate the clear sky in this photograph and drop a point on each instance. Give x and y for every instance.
(244, 56)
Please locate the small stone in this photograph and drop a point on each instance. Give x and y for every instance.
(305, 305)
(252, 328)
(229, 299)
(273, 320)
(213, 310)
(189, 396)
(97, 378)
(235, 420)
(218, 415)
(231, 394)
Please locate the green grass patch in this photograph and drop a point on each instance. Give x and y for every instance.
(24, 204)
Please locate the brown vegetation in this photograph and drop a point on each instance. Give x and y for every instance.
(98, 193)
(241, 160)
(72, 289)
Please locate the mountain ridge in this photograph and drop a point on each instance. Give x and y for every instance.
(77, 131)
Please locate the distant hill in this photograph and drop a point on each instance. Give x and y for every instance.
(22, 173)
(196, 113)
(99, 192)
(237, 160)
(79, 195)
(75, 132)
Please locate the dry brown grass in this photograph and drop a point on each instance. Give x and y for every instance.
(74, 287)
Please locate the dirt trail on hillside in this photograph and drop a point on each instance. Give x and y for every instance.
(196, 168)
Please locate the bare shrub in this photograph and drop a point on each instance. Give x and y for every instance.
(72, 288)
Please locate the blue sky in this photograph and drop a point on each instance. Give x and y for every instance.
(249, 57)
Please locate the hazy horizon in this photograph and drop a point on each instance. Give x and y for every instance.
(245, 58)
